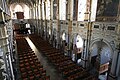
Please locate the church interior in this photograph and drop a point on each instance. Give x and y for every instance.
(59, 39)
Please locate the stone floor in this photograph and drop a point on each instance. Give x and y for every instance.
(50, 68)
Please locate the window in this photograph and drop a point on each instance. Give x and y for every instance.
(43, 13)
(81, 9)
(48, 10)
(62, 9)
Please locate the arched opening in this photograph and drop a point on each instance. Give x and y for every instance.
(54, 38)
(44, 32)
(18, 8)
(49, 32)
(21, 7)
(77, 48)
(101, 54)
(64, 45)
(63, 36)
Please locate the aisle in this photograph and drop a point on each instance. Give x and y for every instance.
(50, 69)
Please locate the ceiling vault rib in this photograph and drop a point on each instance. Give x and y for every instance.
(27, 2)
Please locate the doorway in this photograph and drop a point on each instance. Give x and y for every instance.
(77, 48)
(93, 60)
(101, 53)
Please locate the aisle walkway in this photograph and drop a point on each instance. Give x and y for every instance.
(50, 69)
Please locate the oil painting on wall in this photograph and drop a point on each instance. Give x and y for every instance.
(107, 8)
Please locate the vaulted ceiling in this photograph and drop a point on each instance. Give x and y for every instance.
(29, 3)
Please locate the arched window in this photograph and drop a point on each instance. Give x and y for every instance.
(48, 10)
(43, 13)
(26, 12)
(82, 4)
(84, 10)
(62, 9)
(39, 11)
(34, 11)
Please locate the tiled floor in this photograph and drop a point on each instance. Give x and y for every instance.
(50, 68)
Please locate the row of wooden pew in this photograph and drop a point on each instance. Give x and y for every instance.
(29, 65)
(64, 64)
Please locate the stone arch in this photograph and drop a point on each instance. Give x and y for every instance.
(77, 47)
(74, 36)
(24, 8)
(101, 54)
(105, 44)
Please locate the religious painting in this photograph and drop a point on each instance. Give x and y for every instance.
(107, 8)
